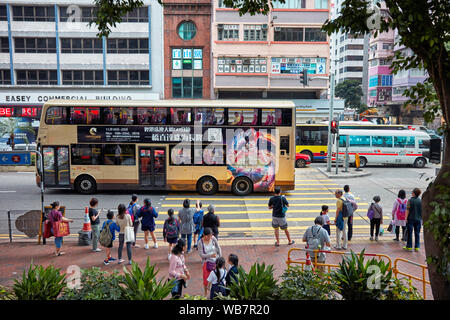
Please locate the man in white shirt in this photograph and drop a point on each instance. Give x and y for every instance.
(351, 198)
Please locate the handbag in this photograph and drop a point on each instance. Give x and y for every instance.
(210, 266)
(47, 229)
(61, 229)
(391, 227)
(129, 234)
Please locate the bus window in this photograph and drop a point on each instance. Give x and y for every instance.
(424, 143)
(180, 115)
(284, 117)
(119, 154)
(360, 141)
(268, 117)
(209, 116)
(56, 115)
(151, 116)
(312, 136)
(85, 154)
(342, 141)
(404, 142)
(237, 117)
(382, 141)
(118, 115)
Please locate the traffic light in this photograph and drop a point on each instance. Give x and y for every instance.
(334, 127)
(304, 77)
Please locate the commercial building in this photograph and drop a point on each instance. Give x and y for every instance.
(48, 50)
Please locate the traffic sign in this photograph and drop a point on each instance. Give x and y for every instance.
(12, 158)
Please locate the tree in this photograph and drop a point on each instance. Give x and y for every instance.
(9, 125)
(424, 27)
(351, 91)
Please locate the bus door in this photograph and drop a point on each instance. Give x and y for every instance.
(56, 166)
(152, 167)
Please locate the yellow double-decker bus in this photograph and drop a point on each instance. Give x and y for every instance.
(312, 139)
(189, 145)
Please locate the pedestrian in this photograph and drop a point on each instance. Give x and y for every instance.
(232, 273)
(113, 227)
(326, 219)
(216, 279)
(133, 208)
(399, 214)
(350, 197)
(198, 222)
(123, 220)
(377, 218)
(54, 216)
(413, 220)
(177, 268)
(340, 221)
(209, 250)
(212, 221)
(148, 215)
(186, 219)
(317, 238)
(94, 215)
(171, 230)
(279, 205)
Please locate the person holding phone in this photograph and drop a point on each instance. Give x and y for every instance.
(94, 216)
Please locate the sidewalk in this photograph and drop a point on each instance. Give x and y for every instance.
(17, 256)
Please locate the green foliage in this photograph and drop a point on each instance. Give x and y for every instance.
(298, 284)
(39, 283)
(438, 224)
(138, 285)
(6, 294)
(397, 290)
(423, 94)
(257, 284)
(96, 285)
(188, 297)
(351, 91)
(8, 125)
(356, 280)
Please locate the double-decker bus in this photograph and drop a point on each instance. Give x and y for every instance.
(312, 139)
(189, 145)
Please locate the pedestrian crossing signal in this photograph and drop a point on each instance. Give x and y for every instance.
(304, 77)
(334, 127)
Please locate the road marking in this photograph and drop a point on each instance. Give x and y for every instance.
(316, 184)
(7, 191)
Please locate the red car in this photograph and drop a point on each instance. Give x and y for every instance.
(301, 160)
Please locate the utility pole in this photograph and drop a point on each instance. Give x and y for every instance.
(330, 118)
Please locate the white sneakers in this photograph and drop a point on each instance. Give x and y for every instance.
(97, 250)
(155, 246)
(146, 246)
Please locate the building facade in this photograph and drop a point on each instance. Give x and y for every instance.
(262, 56)
(187, 49)
(49, 51)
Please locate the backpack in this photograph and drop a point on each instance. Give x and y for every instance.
(347, 208)
(172, 229)
(314, 243)
(105, 235)
(198, 217)
(130, 211)
(401, 210)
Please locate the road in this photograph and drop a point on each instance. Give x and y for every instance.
(240, 216)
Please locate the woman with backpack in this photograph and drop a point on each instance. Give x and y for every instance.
(209, 250)
(178, 269)
(123, 221)
(133, 209)
(375, 215)
(399, 214)
(148, 214)
(171, 230)
(216, 279)
(212, 221)
(55, 216)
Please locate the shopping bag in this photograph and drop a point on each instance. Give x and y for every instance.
(391, 228)
(129, 234)
(61, 228)
(47, 229)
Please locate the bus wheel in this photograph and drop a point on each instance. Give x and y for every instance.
(85, 185)
(420, 163)
(242, 186)
(309, 153)
(207, 186)
(362, 162)
(300, 163)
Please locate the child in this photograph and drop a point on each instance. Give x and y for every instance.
(326, 219)
(232, 273)
(171, 230)
(113, 227)
(376, 218)
(216, 279)
(198, 218)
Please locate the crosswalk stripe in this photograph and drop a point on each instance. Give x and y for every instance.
(316, 184)
(262, 198)
(257, 205)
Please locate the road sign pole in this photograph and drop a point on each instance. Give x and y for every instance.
(347, 141)
(330, 118)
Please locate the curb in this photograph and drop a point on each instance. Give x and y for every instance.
(343, 175)
(17, 169)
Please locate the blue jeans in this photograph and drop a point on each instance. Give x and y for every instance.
(189, 240)
(410, 226)
(58, 241)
